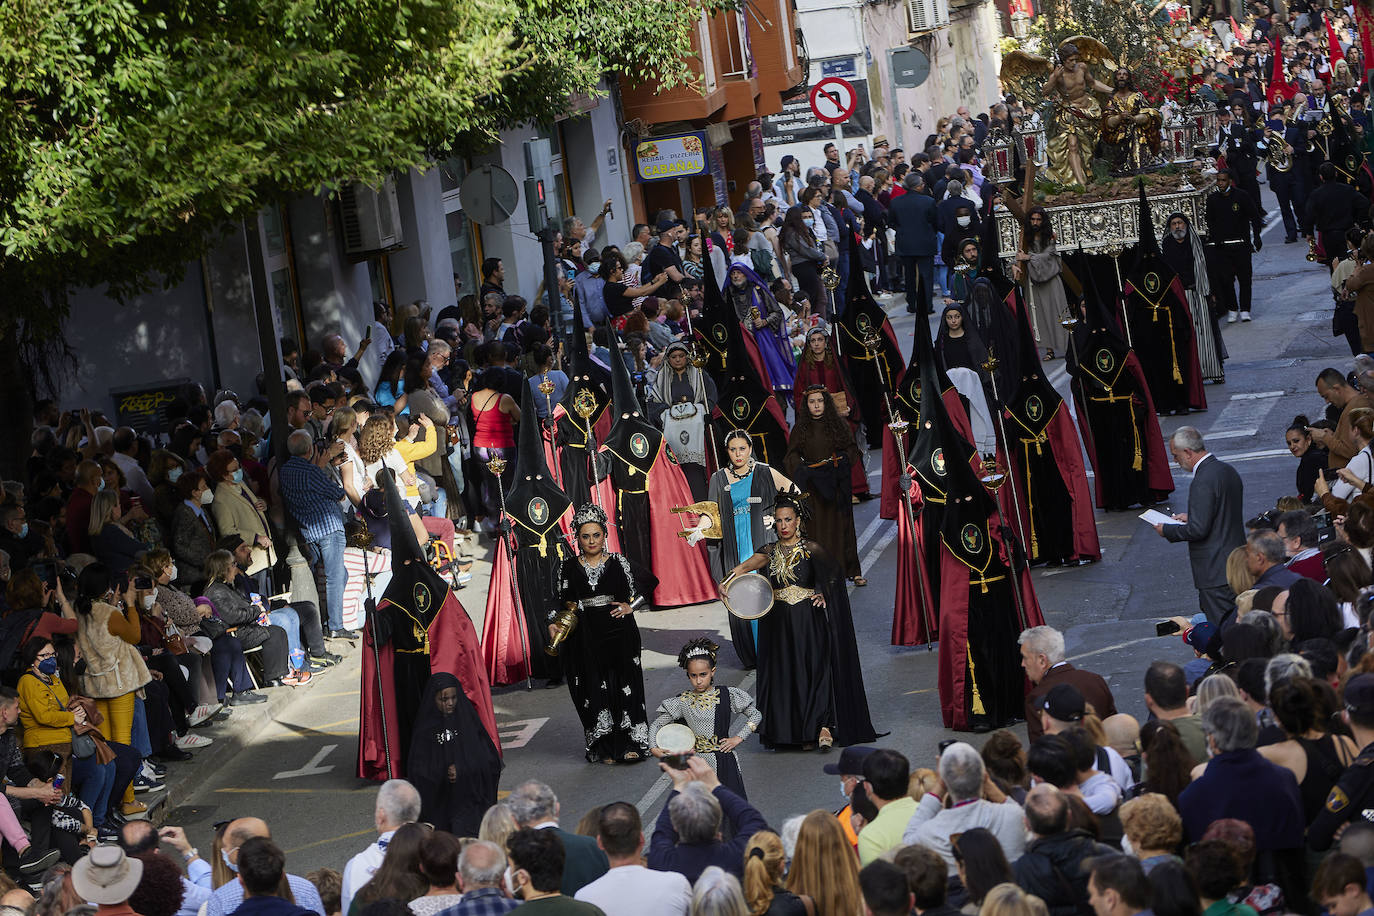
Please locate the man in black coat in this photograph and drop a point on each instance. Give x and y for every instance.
(912, 216)
(687, 836)
(1052, 867)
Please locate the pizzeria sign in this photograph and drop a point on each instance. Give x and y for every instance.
(676, 156)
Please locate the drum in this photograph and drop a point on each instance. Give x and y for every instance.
(748, 597)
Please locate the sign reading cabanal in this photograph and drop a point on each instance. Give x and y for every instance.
(666, 158)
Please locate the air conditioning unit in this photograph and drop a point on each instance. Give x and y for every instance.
(371, 218)
(927, 15)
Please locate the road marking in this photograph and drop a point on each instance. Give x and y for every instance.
(1230, 434)
(520, 732)
(1251, 456)
(652, 796)
(869, 531)
(334, 839)
(872, 556)
(312, 768)
(1257, 395)
(1120, 645)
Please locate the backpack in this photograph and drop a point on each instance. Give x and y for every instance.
(590, 291)
(762, 260)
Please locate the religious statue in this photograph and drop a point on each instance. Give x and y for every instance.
(1077, 114)
(1130, 128)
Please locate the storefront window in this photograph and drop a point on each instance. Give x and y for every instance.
(462, 232)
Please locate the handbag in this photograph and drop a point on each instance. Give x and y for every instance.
(176, 644)
(83, 746)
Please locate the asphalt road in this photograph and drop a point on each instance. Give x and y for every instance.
(297, 770)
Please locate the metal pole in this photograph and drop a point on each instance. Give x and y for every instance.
(268, 344)
(990, 365)
(552, 273)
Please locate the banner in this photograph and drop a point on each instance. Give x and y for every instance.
(671, 157)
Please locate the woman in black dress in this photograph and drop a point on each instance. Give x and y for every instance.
(957, 343)
(810, 687)
(601, 653)
(452, 762)
(820, 453)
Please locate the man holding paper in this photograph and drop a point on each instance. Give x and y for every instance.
(1213, 526)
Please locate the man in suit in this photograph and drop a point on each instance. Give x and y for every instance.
(533, 804)
(1213, 526)
(912, 216)
(1042, 657)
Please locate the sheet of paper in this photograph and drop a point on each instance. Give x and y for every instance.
(1151, 517)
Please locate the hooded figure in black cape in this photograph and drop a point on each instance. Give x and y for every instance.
(873, 373)
(588, 382)
(981, 685)
(418, 628)
(1116, 415)
(534, 507)
(1047, 462)
(1161, 326)
(452, 763)
(746, 400)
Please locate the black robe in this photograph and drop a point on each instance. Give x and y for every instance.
(457, 740)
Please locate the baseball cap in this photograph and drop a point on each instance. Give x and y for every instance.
(1199, 636)
(666, 225)
(851, 762)
(1359, 695)
(1064, 703)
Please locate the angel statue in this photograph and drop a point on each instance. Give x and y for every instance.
(1077, 114)
(1130, 128)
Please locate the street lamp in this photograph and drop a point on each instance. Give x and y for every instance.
(1020, 24)
(1030, 134)
(1178, 138)
(998, 163)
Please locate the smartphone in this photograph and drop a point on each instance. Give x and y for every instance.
(678, 761)
(367, 334)
(143, 583)
(47, 572)
(1330, 474)
(59, 781)
(1167, 628)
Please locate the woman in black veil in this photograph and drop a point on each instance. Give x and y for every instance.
(452, 762)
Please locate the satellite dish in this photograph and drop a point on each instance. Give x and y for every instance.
(489, 195)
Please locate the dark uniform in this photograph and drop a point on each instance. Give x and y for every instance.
(1285, 184)
(1232, 221)
(1353, 797)
(1236, 142)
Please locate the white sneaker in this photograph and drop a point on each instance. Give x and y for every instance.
(193, 742)
(202, 713)
(1244, 316)
(1231, 317)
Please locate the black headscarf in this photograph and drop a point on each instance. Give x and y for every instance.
(459, 740)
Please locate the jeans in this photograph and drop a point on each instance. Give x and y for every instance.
(329, 552)
(93, 782)
(139, 738)
(288, 620)
(231, 671)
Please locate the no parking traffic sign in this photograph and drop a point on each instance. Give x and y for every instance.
(833, 100)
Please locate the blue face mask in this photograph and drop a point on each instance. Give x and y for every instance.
(102, 484)
(174, 475)
(23, 531)
(238, 476)
(48, 667)
(224, 854)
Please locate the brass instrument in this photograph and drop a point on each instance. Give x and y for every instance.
(1312, 247)
(563, 625)
(709, 509)
(1276, 152)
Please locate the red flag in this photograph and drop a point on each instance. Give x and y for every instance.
(1365, 23)
(1279, 87)
(1236, 30)
(1333, 44)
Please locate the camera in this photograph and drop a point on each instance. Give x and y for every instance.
(143, 583)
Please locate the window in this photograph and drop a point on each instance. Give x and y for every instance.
(280, 263)
(463, 247)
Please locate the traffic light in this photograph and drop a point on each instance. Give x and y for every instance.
(534, 203)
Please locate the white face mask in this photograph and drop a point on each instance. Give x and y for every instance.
(964, 220)
(172, 572)
(844, 793)
(207, 497)
(1126, 846)
(509, 880)
(150, 600)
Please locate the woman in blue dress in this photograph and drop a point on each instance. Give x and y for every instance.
(744, 490)
(761, 316)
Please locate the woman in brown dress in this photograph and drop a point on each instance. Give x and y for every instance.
(820, 453)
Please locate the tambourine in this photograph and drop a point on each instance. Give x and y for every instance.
(748, 597)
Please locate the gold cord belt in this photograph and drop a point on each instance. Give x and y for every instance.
(976, 700)
(1173, 345)
(1037, 441)
(983, 583)
(1137, 461)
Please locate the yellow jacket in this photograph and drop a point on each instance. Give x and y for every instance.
(412, 452)
(43, 711)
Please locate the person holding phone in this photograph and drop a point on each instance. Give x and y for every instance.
(1312, 458)
(1336, 495)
